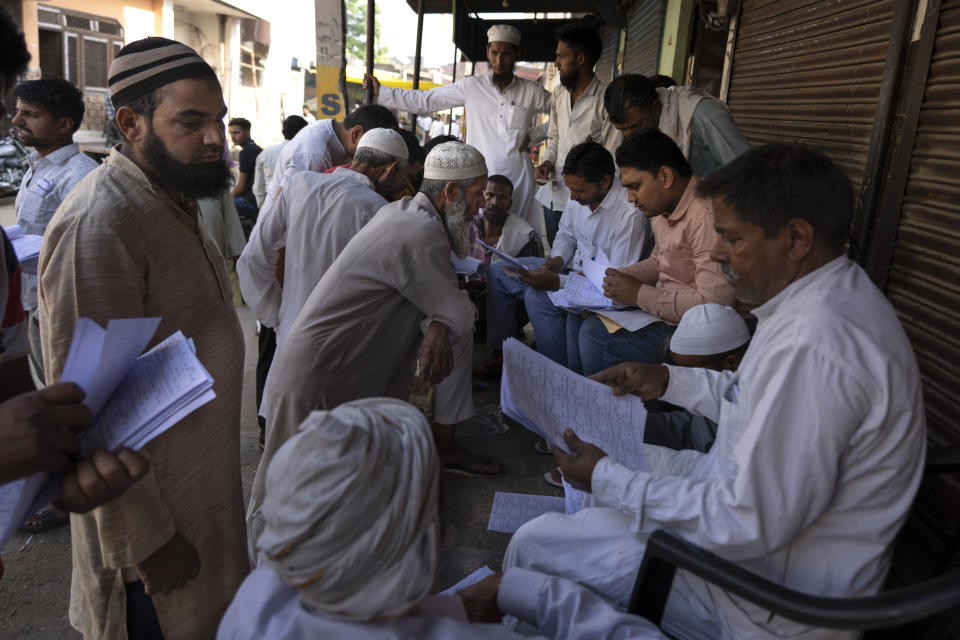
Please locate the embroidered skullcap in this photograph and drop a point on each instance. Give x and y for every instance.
(350, 511)
(504, 33)
(148, 64)
(388, 141)
(709, 329)
(454, 161)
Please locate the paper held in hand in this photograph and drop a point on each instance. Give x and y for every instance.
(548, 398)
(585, 292)
(133, 398)
(513, 262)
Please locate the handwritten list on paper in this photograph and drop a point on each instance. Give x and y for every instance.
(510, 511)
(549, 398)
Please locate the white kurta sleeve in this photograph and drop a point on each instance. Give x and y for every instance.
(553, 137)
(256, 268)
(700, 391)
(797, 427)
(562, 609)
(662, 461)
(437, 99)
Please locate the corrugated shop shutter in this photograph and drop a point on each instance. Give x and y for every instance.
(611, 39)
(924, 278)
(810, 71)
(644, 29)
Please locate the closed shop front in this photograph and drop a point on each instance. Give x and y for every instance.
(606, 65)
(644, 30)
(810, 71)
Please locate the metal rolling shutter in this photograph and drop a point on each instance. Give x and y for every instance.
(605, 65)
(644, 29)
(810, 71)
(924, 277)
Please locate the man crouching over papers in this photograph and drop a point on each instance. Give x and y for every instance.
(391, 290)
(351, 540)
(821, 433)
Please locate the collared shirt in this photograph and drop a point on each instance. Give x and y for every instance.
(46, 183)
(569, 126)
(557, 608)
(819, 452)
(498, 123)
(263, 174)
(315, 217)
(680, 273)
(617, 227)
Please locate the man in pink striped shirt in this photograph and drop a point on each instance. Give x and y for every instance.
(678, 275)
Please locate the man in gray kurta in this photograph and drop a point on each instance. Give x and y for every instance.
(168, 555)
(391, 289)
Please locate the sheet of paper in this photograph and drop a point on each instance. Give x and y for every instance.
(596, 269)
(512, 510)
(471, 579)
(27, 247)
(13, 232)
(466, 265)
(553, 398)
(572, 498)
(159, 390)
(630, 319)
(15, 501)
(580, 294)
(503, 256)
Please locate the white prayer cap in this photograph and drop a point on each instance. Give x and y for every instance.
(709, 329)
(388, 141)
(454, 161)
(350, 512)
(504, 33)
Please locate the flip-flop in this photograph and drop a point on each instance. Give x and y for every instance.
(548, 476)
(541, 446)
(44, 520)
(464, 466)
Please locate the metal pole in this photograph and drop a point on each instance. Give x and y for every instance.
(371, 34)
(454, 74)
(416, 61)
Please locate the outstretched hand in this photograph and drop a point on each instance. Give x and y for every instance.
(649, 381)
(371, 80)
(578, 468)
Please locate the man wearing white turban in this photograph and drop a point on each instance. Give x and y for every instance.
(351, 539)
(391, 289)
(501, 109)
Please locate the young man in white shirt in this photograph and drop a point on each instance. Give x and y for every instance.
(48, 112)
(821, 432)
(597, 218)
(576, 115)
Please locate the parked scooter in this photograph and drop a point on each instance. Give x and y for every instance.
(13, 162)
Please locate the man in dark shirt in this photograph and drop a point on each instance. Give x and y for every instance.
(243, 198)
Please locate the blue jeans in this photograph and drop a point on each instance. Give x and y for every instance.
(247, 212)
(600, 349)
(550, 324)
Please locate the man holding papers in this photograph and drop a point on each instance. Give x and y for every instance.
(168, 555)
(679, 274)
(596, 218)
(820, 438)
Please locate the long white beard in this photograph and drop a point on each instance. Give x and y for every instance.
(456, 222)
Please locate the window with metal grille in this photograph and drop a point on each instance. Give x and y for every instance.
(77, 46)
(94, 62)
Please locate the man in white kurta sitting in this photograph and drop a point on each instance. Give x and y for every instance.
(314, 218)
(350, 546)
(597, 218)
(821, 432)
(389, 300)
(501, 107)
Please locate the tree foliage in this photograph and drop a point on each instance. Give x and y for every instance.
(357, 33)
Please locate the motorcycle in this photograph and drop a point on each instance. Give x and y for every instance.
(13, 162)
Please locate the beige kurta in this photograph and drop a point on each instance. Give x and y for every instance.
(358, 332)
(119, 247)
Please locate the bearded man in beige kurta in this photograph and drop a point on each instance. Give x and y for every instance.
(127, 242)
(391, 289)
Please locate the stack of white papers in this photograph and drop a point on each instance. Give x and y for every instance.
(585, 293)
(27, 248)
(548, 398)
(133, 399)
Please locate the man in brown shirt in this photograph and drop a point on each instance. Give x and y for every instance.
(678, 275)
(168, 555)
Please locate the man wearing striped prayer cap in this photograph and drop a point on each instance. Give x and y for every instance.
(167, 556)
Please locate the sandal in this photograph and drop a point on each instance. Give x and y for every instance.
(552, 480)
(46, 519)
(541, 446)
(472, 464)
